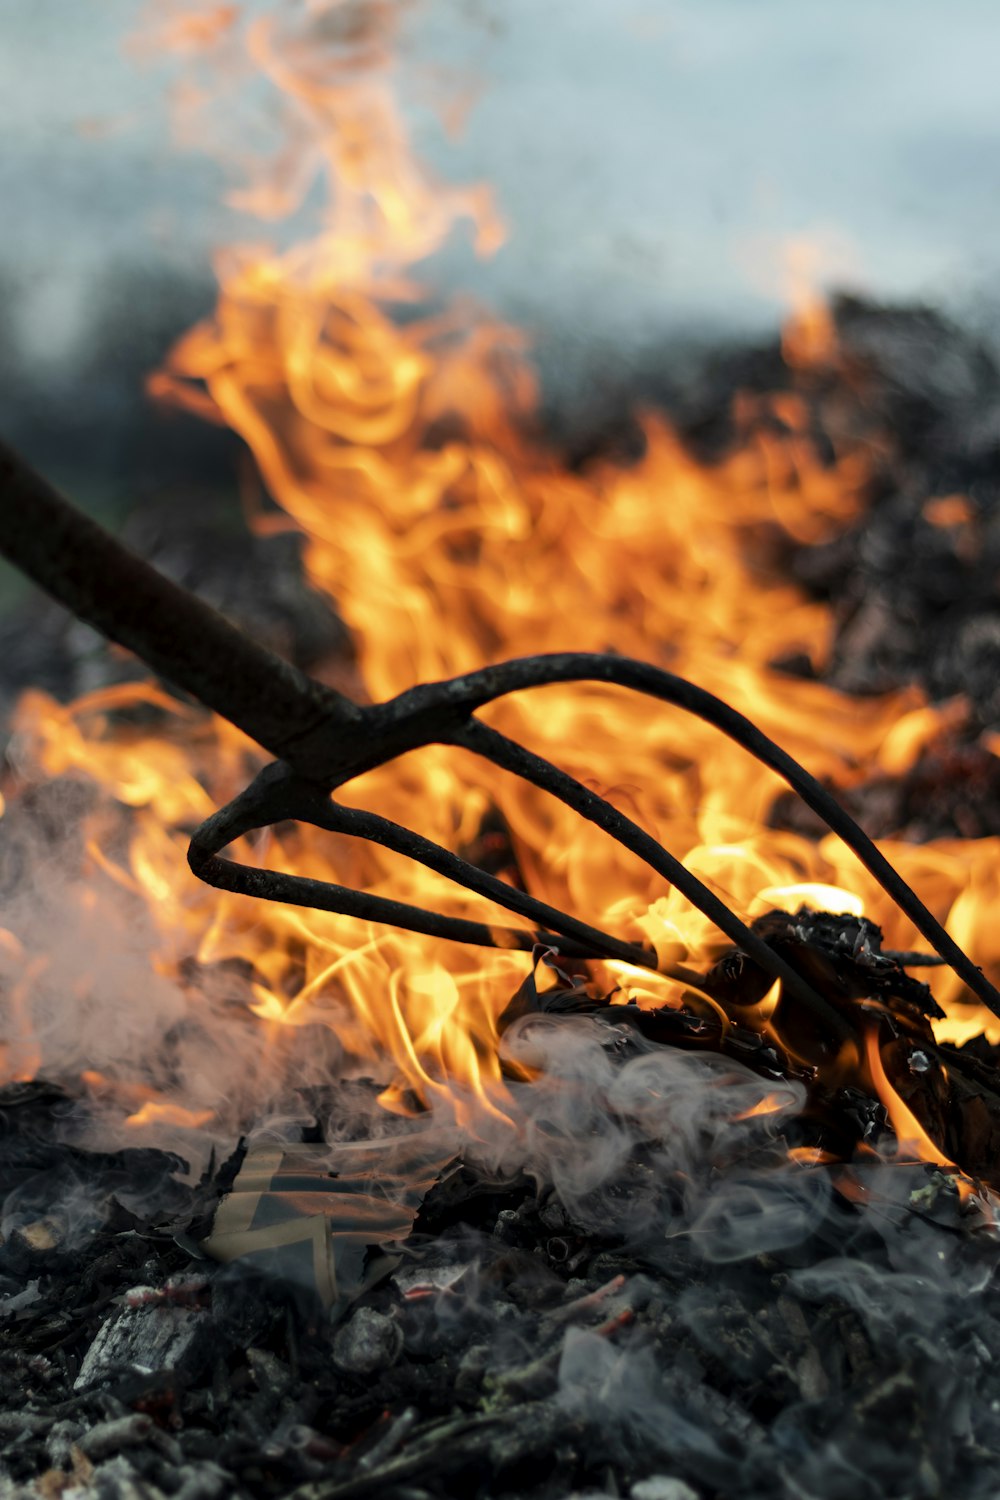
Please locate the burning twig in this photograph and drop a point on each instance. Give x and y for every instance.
(322, 740)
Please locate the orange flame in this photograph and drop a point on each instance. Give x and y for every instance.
(771, 1104)
(913, 1142)
(449, 538)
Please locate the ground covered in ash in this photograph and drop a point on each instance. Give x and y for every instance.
(660, 1308)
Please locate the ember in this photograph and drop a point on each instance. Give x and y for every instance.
(316, 1179)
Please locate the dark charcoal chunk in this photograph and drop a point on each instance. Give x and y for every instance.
(913, 583)
(155, 1337)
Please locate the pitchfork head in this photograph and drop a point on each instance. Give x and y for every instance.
(443, 713)
(322, 740)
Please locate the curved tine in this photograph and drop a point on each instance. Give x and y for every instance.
(275, 795)
(510, 756)
(912, 960)
(330, 815)
(477, 688)
(299, 890)
(278, 794)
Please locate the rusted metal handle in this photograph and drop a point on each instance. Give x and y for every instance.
(181, 638)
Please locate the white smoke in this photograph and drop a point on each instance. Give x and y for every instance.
(87, 1001)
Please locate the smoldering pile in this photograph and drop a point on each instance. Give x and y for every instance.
(656, 1303)
(649, 1282)
(911, 583)
(648, 1296)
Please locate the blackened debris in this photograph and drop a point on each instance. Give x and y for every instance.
(840, 954)
(58, 1196)
(912, 584)
(530, 1356)
(953, 1093)
(463, 1196)
(950, 790)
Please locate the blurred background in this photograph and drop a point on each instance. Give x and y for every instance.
(665, 169)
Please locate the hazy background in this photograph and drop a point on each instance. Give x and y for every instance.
(652, 159)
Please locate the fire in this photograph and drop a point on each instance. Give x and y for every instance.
(809, 337)
(771, 1104)
(810, 893)
(450, 537)
(912, 1141)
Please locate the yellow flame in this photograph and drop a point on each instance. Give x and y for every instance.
(813, 894)
(913, 1142)
(158, 1112)
(448, 538)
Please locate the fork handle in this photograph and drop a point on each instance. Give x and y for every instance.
(176, 634)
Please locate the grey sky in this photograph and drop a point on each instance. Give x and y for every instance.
(650, 156)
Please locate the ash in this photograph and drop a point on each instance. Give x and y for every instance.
(677, 1313)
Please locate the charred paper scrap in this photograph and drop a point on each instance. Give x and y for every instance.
(312, 1215)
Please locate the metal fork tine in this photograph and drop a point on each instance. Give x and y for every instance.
(278, 795)
(549, 778)
(326, 740)
(591, 941)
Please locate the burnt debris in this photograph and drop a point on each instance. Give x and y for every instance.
(912, 584)
(671, 1293)
(674, 1326)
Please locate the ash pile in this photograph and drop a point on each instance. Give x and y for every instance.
(698, 1275)
(658, 1304)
